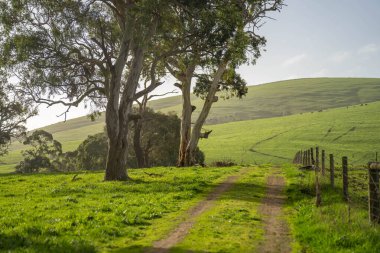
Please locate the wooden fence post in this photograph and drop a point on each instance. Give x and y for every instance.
(323, 162)
(373, 192)
(318, 199)
(299, 157)
(312, 156)
(332, 172)
(304, 158)
(317, 157)
(345, 177)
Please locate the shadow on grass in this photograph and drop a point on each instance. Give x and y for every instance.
(249, 192)
(19, 243)
(143, 249)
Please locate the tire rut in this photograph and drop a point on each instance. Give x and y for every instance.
(277, 238)
(180, 232)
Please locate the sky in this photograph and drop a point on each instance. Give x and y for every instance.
(308, 38)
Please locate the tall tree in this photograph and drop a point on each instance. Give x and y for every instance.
(212, 60)
(72, 51)
(13, 115)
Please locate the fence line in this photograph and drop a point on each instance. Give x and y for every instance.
(355, 181)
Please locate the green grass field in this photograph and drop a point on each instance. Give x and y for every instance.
(284, 98)
(336, 226)
(350, 131)
(233, 224)
(53, 213)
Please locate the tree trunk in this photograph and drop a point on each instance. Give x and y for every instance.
(137, 145)
(117, 120)
(195, 134)
(185, 123)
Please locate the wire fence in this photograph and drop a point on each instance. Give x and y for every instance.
(359, 186)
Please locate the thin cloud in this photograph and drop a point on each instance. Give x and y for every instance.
(295, 59)
(321, 73)
(339, 57)
(369, 49)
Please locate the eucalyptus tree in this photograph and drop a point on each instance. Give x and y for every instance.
(232, 40)
(94, 51)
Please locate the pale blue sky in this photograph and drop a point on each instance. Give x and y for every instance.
(312, 38)
(309, 38)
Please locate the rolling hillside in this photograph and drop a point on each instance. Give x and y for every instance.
(352, 131)
(263, 101)
(285, 98)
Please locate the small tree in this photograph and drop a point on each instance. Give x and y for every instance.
(13, 115)
(92, 152)
(44, 153)
(159, 136)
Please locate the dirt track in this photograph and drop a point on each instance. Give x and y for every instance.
(178, 234)
(277, 237)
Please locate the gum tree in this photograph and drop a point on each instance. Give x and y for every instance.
(212, 60)
(73, 51)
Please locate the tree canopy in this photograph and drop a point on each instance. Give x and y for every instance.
(13, 115)
(73, 51)
(224, 35)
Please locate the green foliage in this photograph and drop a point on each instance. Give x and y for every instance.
(231, 85)
(92, 153)
(199, 156)
(44, 152)
(13, 115)
(54, 213)
(159, 139)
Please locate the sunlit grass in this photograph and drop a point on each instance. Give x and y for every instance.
(333, 227)
(53, 213)
(233, 224)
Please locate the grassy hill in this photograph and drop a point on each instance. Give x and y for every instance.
(285, 98)
(349, 131)
(263, 101)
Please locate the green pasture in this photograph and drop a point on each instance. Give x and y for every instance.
(335, 226)
(233, 224)
(82, 213)
(352, 131)
(283, 98)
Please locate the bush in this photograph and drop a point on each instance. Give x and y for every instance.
(223, 163)
(92, 152)
(159, 139)
(44, 153)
